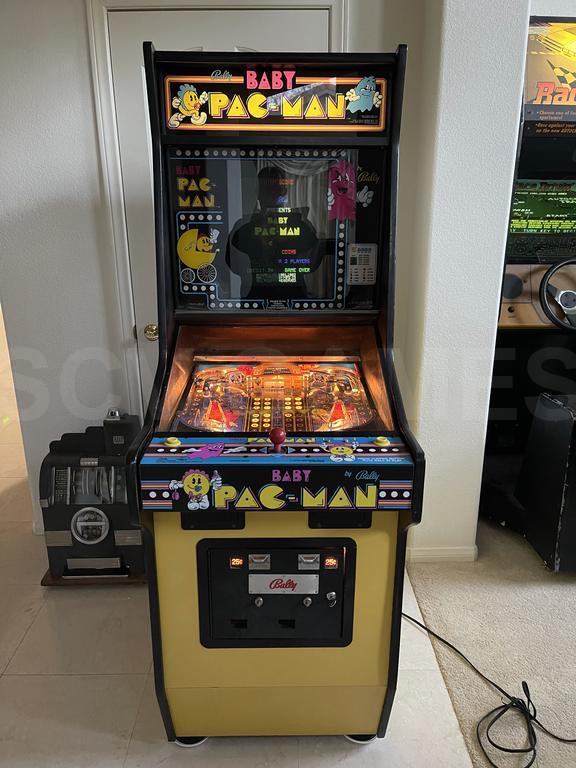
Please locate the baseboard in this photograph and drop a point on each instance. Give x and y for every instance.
(442, 554)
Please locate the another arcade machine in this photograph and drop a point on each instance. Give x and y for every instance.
(536, 343)
(276, 478)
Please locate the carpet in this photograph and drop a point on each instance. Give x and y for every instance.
(516, 621)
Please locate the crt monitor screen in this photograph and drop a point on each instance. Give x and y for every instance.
(277, 229)
(543, 207)
(542, 221)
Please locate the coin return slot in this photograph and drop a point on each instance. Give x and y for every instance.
(239, 623)
(259, 562)
(308, 562)
(287, 623)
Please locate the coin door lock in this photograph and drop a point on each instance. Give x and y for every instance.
(331, 597)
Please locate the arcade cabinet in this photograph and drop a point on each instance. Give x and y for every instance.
(276, 478)
(536, 341)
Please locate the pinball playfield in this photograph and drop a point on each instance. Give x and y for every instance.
(294, 394)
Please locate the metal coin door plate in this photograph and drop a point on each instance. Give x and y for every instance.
(283, 584)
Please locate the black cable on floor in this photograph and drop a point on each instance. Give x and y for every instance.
(525, 707)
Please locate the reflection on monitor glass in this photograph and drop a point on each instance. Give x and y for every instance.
(277, 229)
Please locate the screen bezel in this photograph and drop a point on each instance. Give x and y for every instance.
(311, 143)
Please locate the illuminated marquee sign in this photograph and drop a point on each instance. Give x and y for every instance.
(274, 100)
(294, 489)
(550, 80)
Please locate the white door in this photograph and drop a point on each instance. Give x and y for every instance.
(211, 30)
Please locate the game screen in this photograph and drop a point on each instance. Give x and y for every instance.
(541, 207)
(542, 221)
(255, 395)
(276, 229)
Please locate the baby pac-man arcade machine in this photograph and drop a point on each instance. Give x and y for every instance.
(276, 478)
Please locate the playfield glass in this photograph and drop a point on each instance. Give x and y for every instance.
(256, 395)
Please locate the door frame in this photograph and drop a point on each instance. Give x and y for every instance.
(97, 12)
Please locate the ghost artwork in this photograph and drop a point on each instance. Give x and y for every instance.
(342, 191)
(364, 96)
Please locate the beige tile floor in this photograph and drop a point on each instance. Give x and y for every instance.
(76, 688)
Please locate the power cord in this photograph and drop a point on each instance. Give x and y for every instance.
(525, 707)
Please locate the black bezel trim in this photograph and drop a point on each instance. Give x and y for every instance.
(203, 520)
(150, 558)
(339, 518)
(398, 593)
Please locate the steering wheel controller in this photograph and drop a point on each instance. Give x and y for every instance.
(565, 299)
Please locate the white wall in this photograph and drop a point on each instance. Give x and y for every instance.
(458, 145)
(448, 299)
(553, 8)
(57, 274)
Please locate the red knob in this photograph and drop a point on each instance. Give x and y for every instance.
(277, 436)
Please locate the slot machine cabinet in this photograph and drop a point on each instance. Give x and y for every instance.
(90, 534)
(276, 478)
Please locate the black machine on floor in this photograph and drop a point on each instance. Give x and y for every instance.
(87, 525)
(547, 483)
(536, 340)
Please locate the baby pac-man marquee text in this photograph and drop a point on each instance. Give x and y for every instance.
(274, 100)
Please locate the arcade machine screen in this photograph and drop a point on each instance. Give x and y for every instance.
(543, 219)
(276, 229)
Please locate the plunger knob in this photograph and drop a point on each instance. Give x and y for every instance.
(277, 436)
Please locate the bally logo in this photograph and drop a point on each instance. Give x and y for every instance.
(281, 584)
